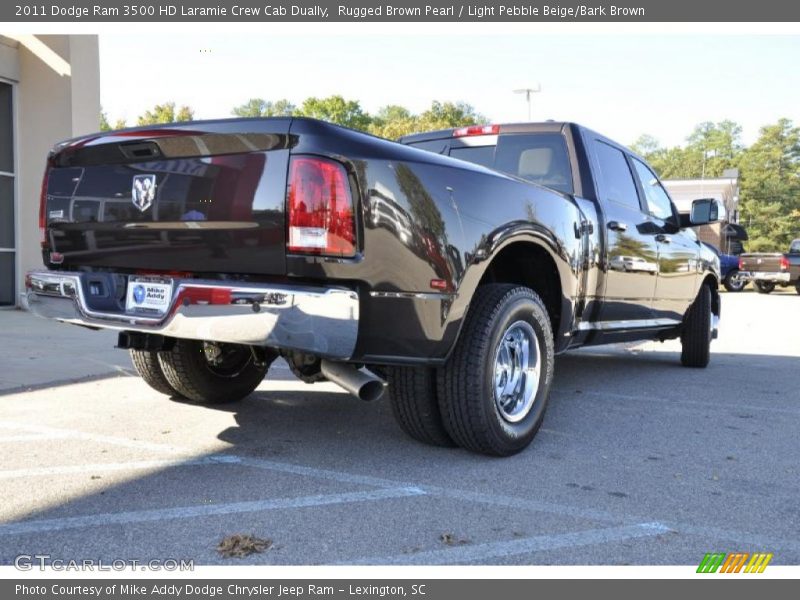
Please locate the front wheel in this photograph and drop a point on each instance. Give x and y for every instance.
(214, 373)
(764, 287)
(734, 282)
(696, 334)
(493, 390)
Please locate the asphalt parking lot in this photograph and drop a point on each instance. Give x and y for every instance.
(639, 461)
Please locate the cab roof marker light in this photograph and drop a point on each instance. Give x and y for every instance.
(476, 130)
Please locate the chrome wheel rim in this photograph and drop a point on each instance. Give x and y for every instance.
(517, 369)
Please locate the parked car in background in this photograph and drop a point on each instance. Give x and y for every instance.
(768, 270)
(729, 269)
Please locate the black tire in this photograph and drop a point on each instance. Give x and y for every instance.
(187, 369)
(412, 393)
(149, 369)
(696, 333)
(764, 287)
(797, 287)
(733, 283)
(466, 383)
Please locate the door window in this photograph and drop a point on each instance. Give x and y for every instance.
(658, 202)
(618, 185)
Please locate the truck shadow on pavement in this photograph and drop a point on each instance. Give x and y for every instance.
(618, 421)
(281, 422)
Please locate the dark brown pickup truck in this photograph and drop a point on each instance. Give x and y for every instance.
(215, 247)
(768, 270)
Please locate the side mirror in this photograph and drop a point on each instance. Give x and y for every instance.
(704, 211)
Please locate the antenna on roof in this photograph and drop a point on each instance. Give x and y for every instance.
(528, 92)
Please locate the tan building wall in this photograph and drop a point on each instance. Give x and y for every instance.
(723, 189)
(57, 96)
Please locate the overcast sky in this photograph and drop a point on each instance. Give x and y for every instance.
(620, 85)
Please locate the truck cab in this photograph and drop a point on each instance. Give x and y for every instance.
(645, 263)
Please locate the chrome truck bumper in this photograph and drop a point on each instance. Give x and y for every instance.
(321, 321)
(774, 277)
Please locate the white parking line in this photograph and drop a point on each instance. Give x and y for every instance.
(564, 510)
(590, 514)
(386, 484)
(493, 550)
(92, 437)
(281, 467)
(189, 512)
(138, 465)
(743, 538)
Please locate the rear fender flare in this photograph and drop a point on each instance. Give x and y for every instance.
(521, 232)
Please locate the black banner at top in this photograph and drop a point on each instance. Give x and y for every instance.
(621, 11)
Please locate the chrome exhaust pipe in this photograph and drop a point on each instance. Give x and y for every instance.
(359, 382)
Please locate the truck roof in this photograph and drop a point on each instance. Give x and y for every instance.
(537, 127)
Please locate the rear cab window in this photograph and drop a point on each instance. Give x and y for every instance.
(538, 157)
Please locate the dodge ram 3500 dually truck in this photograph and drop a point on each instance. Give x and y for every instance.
(215, 247)
(768, 270)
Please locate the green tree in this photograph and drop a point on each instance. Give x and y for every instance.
(258, 107)
(646, 145)
(393, 121)
(106, 126)
(165, 113)
(668, 163)
(336, 109)
(770, 187)
(713, 147)
(710, 149)
(443, 115)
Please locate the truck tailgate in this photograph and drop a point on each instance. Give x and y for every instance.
(767, 263)
(200, 197)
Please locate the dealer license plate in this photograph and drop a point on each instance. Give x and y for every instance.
(148, 295)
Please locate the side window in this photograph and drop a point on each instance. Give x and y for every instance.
(618, 184)
(658, 202)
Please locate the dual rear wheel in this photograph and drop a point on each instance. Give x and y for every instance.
(490, 396)
(203, 372)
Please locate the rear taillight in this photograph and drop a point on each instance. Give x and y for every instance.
(476, 130)
(43, 204)
(784, 263)
(741, 264)
(320, 208)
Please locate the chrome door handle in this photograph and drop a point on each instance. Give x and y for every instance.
(617, 226)
(664, 239)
